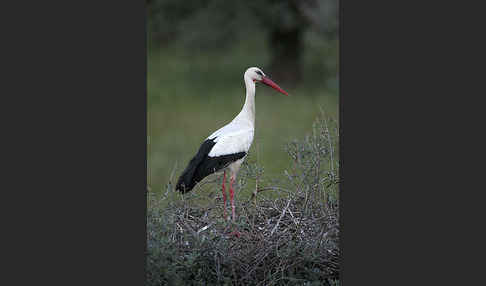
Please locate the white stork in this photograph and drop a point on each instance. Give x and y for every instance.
(227, 147)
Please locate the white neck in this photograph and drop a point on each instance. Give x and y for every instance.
(247, 113)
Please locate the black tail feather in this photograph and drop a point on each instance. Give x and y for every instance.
(187, 180)
(201, 165)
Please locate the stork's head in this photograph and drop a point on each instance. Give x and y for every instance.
(257, 75)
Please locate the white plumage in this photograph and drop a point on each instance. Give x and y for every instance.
(232, 138)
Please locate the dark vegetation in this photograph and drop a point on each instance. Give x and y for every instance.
(289, 228)
(217, 24)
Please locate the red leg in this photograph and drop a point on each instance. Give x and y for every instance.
(223, 189)
(235, 232)
(232, 198)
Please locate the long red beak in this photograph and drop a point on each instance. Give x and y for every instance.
(269, 82)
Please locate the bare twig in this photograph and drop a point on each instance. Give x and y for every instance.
(278, 222)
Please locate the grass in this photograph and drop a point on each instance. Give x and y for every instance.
(191, 94)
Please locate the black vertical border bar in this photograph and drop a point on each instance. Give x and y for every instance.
(395, 73)
(78, 73)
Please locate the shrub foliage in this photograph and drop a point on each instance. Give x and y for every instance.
(288, 230)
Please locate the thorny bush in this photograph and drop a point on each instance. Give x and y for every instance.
(289, 229)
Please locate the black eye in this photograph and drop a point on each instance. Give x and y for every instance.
(259, 72)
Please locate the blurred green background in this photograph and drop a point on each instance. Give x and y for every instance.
(197, 54)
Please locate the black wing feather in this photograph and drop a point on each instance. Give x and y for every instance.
(201, 166)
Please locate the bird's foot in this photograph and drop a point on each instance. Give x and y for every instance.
(235, 233)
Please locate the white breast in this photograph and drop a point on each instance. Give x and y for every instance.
(232, 138)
